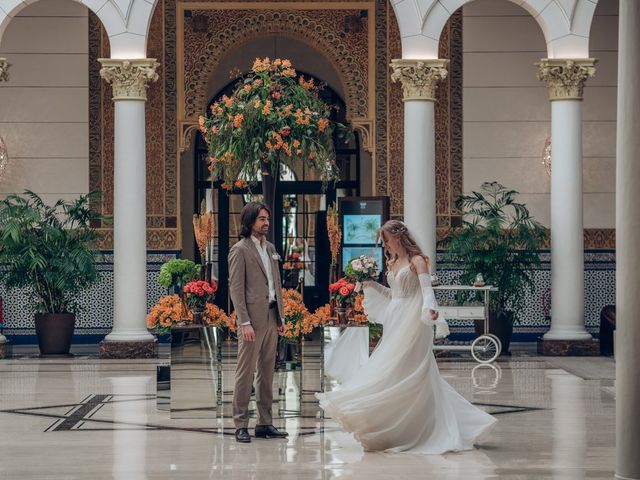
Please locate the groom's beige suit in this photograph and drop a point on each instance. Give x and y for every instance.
(249, 289)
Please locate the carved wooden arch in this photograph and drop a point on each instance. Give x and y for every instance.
(286, 23)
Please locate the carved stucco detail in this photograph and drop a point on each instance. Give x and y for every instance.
(188, 130)
(565, 77)
(419, 78)
(317, 28)
(365, 128)
(129, 78)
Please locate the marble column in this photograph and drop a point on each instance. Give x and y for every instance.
(4, 69)
(565, 79)
(627, 246)
(419, 80)
(129, 337)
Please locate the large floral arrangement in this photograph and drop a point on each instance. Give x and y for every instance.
(272, 116)
(342, 292)
(199, 292)
(322, 316)
(361, 269)
(358, 315)
(171, 310)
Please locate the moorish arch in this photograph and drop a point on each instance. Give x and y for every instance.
(312, 28)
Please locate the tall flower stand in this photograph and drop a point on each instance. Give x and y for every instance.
(193, 383)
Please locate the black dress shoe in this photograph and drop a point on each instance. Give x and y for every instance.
(269, 431)
(242, 435)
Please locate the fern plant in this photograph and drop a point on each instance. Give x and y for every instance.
(48, 249)
(499, 239)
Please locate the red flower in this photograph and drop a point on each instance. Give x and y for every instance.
(295, 256)
(344, 291)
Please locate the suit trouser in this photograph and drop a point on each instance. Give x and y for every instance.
(257, 357)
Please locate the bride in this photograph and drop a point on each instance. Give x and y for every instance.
(398, 401)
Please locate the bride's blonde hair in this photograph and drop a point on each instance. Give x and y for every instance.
(397, 229)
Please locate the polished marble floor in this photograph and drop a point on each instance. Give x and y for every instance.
(89, 419)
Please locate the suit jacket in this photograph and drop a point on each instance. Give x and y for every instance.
(249, 286)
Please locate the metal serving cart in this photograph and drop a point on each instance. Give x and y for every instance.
(485, 348)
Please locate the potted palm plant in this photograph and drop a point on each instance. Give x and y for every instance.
(47, 250)
(499, 240)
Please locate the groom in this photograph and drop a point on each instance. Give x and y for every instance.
(254, 285)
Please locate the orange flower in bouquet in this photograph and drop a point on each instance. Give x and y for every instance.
(335, 234)
(215, 316)
(322, 316)
(169, 311)
(295, 313)
(358, 310)
(342, 292)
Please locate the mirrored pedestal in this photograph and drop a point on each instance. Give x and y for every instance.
(195, 379)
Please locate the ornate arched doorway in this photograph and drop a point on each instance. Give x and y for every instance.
(300, 214)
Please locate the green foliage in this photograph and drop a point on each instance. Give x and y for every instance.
(498, 239)
(177, 273)
(272, 117)
(48, 249)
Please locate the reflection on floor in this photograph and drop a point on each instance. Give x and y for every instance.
(85, 418)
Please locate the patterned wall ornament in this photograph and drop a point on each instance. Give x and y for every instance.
(566, 77)
(323, 30)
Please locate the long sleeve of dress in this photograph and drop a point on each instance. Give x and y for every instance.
(429, 303)
(375, 301)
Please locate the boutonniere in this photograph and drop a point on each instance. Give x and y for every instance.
(276, 257)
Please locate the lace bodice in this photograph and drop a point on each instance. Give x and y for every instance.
(404, 283)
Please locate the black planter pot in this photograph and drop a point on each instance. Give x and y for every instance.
(501, 326)
(54, 332)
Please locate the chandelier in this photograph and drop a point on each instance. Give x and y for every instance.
(4, 157)
(546, 156)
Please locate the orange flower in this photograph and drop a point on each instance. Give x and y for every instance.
(296, 143)
(286, 63)
(228, 101)
(169, 310)
(267, 107)
(237, 120)
(335, 234)
(323, 123)
(201, 123)
(240, 183)
(247, 88)
(256, 104)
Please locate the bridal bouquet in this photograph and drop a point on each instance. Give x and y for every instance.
(362, 269)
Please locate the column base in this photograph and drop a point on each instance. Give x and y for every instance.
(121, 350)
(569, 348)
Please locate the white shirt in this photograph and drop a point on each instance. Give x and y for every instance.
(266, 262)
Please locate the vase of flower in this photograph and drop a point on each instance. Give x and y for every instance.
(341, 314)
(198, 293)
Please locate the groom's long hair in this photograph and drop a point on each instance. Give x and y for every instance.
(397, 229)
(248, 216)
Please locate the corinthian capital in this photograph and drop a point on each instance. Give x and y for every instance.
(129, 78)
(4, 70)
(419, 78)
(565, 77)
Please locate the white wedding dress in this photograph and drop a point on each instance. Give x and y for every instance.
(397, 401)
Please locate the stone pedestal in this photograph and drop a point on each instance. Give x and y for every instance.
(569, 348)
(121, 350)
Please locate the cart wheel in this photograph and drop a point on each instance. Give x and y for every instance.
(485, 349)
(497, 339)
